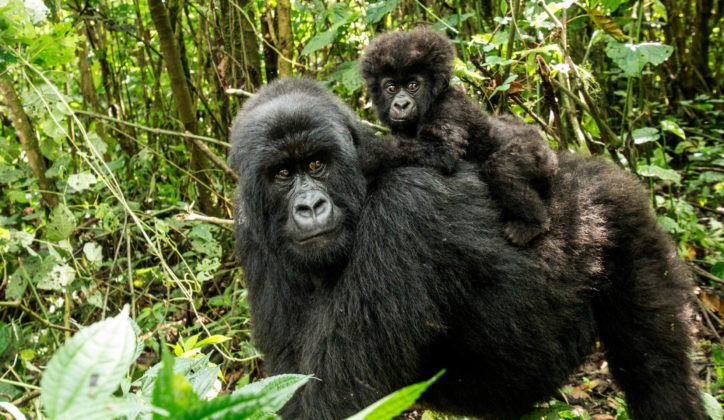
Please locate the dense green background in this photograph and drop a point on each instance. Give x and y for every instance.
(115, 115)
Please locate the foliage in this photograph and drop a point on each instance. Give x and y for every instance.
(602, 77)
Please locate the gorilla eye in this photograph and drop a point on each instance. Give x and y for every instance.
(391, 88)
(316, 165)
(284, 173)
(413, 86)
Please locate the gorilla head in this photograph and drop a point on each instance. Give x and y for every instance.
(405, 72)
(295, 152)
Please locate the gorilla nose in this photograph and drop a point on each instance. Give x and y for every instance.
(312, 211)
(402, 104)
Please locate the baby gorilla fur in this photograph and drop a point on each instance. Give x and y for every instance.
(407, 75)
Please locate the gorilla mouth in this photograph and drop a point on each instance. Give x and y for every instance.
(316, 236)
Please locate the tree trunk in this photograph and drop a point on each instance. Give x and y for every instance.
(699, 78)
(271, 57)
(182, 99)
(250, 53)
(90, 97)
(284, 37)
(28, 141)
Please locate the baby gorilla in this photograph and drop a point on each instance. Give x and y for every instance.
(407, 75)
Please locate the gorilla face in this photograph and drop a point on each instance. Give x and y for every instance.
(300, 184)
(402, 101)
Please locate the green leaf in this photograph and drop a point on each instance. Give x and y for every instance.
(505, 86)
(4, 336)
(93, 253)
(667, 223)
(89, 367)
(348, 75)
(712, 407)
(606, 23)
(172, 391)
(395, 403)
(62, 223)
(104, 408)
(645, 135)
(320, 40)
(659, 172)
(252, 402)
(673, 128)
(82, 181)
(633, 57)
(214, 339)
(340, 14)
(60, 277)
(14, 412)
(377, 11)
(711, 176)
(203, 380)
(451, 21)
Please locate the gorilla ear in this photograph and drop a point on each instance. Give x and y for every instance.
(440, 83)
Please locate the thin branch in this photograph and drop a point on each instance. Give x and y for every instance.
(186, 217)
(216, 160)
(27, 397)
(703, 273)
(152, 130)
(535, 116)
(238, 92)
(35, 315)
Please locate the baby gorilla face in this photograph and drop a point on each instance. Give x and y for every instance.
(404, 101)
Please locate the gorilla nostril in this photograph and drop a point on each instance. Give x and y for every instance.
(402, 105)
(312, 212)
(303, 210)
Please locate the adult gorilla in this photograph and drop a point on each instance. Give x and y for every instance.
(371, 291)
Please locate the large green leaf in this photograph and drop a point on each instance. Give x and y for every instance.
(320, 40)
(252, 402)
(377, 11)
(89, 367)
(645, 135)
(104, 408)
(395, 403)
(82, 181)
(659, 172)
(348, 75)
(633, 57)
(713, 409)
(62, 223)
(172, 391)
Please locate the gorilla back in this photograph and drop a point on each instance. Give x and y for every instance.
(373, 287)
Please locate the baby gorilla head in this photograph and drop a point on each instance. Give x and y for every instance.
(405, 72)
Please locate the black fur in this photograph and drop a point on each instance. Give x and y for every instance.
(422, 278)
(444, 126)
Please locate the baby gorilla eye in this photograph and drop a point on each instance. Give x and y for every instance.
(413, 86)
(316, 165)
(284, 173)
(391, 88)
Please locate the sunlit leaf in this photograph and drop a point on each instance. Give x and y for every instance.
(645, 135)
(89, 367)
(395, 403)
(319, 41)
(62, 223)
(376, 11)
(606, 23)
(632, 58)
(659, 172)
